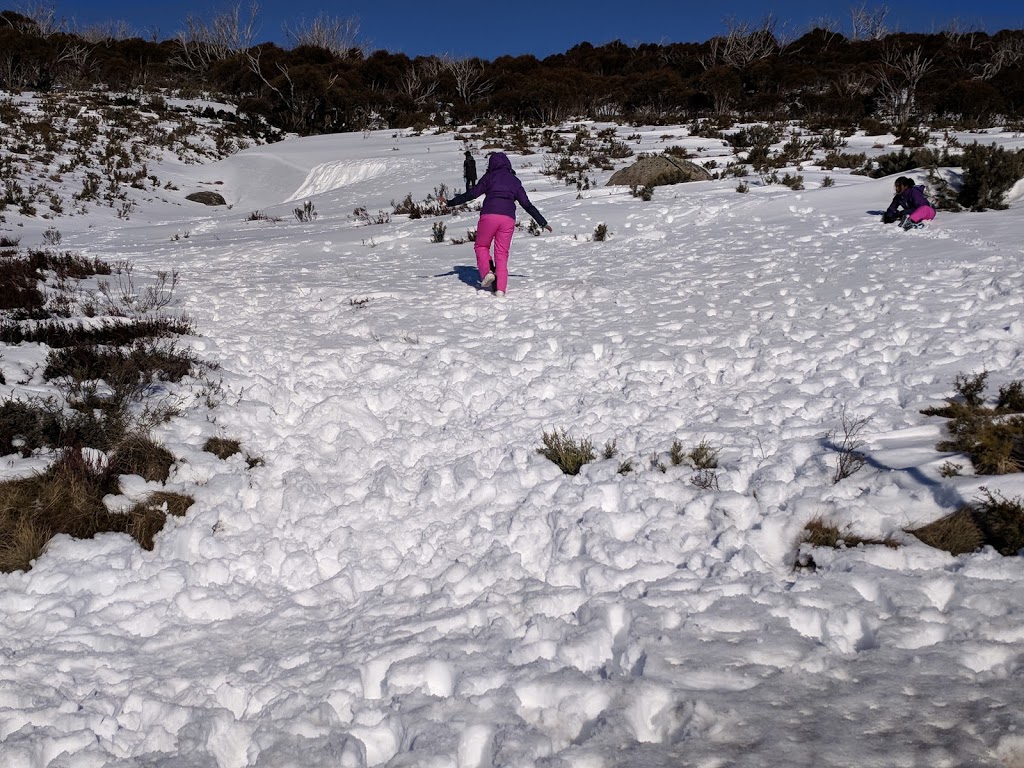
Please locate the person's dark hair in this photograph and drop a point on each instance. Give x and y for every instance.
(905, 181)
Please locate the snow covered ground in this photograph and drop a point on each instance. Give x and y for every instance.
(405, 581)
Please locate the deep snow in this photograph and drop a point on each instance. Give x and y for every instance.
(406, 582)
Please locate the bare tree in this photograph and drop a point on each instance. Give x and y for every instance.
(302, 104)
(742, 44)
(202, 42)
(43, 16)
(74, 60)
(470, 83)
(851, 83)
(108, 32)
(1006, 53)
(420, 81)
(868, 23)
(829, 26)
(898, 76)
(337, 34)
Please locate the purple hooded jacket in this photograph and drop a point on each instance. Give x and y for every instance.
(909, 200)
(502, 189)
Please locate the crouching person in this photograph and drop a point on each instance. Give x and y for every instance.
(909, 206)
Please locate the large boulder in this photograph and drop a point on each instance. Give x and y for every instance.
(207, 198)
(657, 171)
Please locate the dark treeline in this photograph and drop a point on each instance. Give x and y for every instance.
(824, 78)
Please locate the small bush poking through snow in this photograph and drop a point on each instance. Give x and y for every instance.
(994, 521)
(222, 447)
(704, 456)
(846, 442)
(568, 454)
(993, 438)
(818, 533)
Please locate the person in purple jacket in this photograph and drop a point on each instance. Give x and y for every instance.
(502, 190)
(909, 205)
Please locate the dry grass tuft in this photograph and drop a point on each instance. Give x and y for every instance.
(957, 533)
(139, 454)
(222, 447)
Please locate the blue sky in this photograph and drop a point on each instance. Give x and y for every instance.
(489, 30)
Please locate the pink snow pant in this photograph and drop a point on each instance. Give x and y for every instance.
(493, 227)
(924, 213)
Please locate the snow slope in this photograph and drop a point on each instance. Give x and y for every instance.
(406, 582)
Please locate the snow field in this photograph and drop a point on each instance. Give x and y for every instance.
(405, 581)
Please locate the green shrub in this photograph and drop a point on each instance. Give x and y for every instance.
(704, 456)
(1001, 521)
(989, 173)
(993, 438)
(568, 454)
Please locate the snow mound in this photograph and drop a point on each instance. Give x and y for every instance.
(341, 173)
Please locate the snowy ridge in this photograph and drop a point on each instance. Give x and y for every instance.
(405, 581)
(341, 173)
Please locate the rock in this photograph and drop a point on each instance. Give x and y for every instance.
(207, 198)
(657, 171)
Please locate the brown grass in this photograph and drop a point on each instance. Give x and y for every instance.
(222, 447)
(818, 533)
(957, 533)
(68, 498)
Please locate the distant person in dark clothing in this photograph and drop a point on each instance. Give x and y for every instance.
(909, 205)
(469, 170)
(502, 190)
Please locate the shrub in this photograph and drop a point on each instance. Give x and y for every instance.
(438, 228)
(989, 173)
(845, 442)
(844, 160)
(58, 335)
(704, 456)
(645, 192)
(993, 520)
(1001, 521)
(601, 233)
(796, 183)
(675, 453)
(993, 438)
(569, 455)
(1011, 398)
